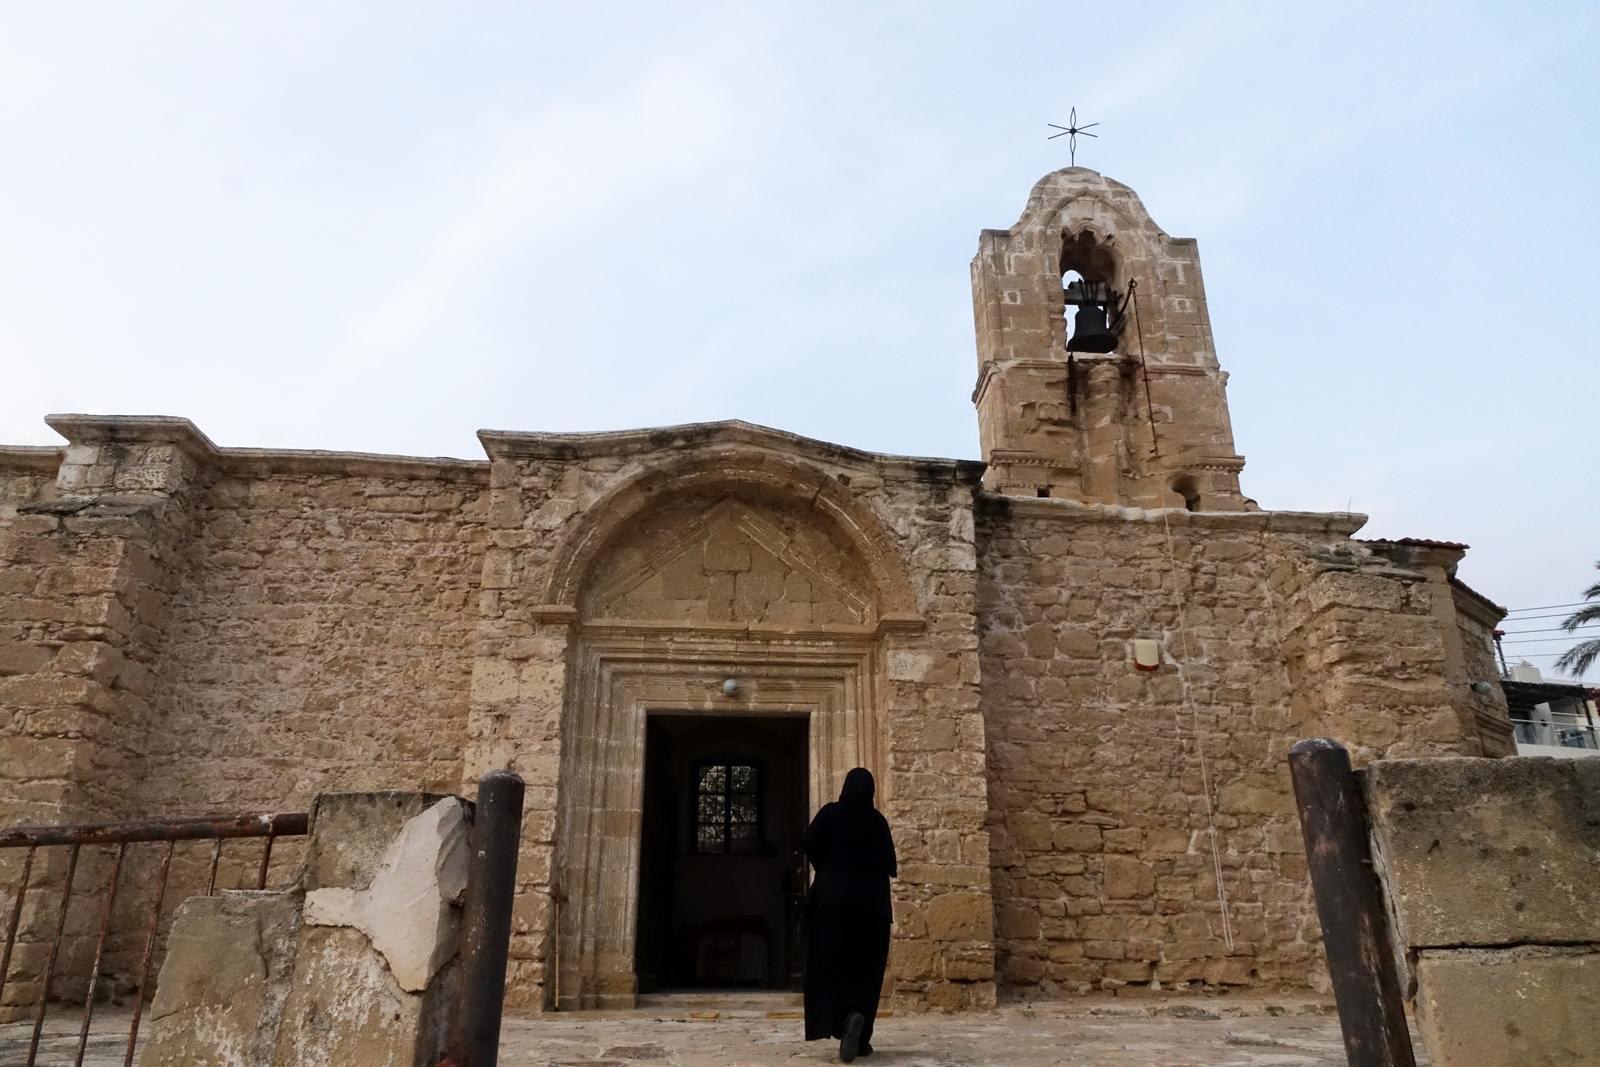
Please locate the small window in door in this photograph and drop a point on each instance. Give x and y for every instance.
(727, 807)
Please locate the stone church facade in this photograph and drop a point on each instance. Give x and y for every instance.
(1074, 667)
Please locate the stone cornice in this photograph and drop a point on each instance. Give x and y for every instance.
(707, 436)
(554, 614)
(1195, 461)
(1337, 523)
(1414, 552)
(243, 462)
(1156, 364)
(135, 430)
(246, 462)
(30, 459)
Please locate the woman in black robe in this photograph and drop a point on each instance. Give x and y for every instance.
(847, 916)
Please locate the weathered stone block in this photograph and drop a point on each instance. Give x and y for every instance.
(351, 832)
(1077, 837)
(340, 975)
(1125, 839)
(1128, 971)
(975, 966)
(24, 659)
(220, 999)
(1127, 878)
(1489, 851)
(346, 1008)
(408, 911)
(960, 917)
(1017, 922)
(1245, 798)
(911, 959)
(1528, 1006)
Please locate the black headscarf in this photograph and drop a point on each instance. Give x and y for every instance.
(849, 845)
(858, 787)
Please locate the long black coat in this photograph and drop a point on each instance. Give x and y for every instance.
(848, 912)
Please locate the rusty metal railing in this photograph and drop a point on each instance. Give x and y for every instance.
(121, 835)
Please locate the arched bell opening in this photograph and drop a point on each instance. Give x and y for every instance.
(1092, 302)
(1086, 255)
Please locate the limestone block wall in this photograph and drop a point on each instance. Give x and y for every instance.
(321, 636)
(188, 629)
(27, 477)
(88, 573)
(1373, 644)
(1104, 873)
(27, 474)
(192, 628)
(1476, 619)
(89, 568)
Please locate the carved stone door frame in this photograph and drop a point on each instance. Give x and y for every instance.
(620, 673)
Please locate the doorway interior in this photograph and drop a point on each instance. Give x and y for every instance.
(721, 883)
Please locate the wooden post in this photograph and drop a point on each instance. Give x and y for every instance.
(1333, 818)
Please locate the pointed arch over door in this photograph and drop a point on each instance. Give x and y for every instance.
(741, 473)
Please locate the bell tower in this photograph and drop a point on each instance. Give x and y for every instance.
(1066, 405)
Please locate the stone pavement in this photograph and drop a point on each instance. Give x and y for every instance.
(765, 1032)
(1092, 1032)
(58, 1043)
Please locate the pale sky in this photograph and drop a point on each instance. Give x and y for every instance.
(381, 226)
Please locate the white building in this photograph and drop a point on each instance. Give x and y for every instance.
(1551, 718)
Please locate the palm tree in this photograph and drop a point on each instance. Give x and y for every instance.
(1580, 656)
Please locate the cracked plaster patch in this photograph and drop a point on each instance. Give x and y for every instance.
(407, 911)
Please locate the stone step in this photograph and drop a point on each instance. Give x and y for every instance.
(722, 1000)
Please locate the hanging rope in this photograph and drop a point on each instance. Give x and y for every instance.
(1144, 368)
(1187, 705)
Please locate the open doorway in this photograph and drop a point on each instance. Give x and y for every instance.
(720, 882)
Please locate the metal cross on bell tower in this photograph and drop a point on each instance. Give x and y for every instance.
(1071, 132)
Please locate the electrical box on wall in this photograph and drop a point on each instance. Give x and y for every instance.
(1146, 654)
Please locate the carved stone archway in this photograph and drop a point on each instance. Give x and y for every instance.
(746, 473)
(748, 577)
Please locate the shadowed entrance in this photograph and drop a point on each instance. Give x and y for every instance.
(725, 802)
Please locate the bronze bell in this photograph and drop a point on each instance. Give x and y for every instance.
(1090, 333)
